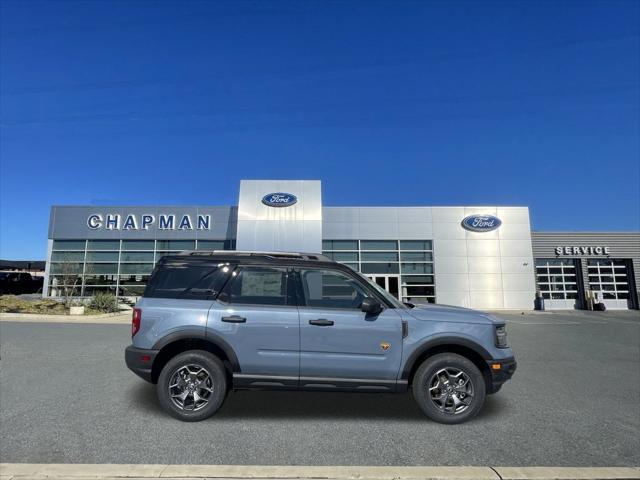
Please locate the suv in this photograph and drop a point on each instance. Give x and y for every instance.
(210, 322)
(17, 283)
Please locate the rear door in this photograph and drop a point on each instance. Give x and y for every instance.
(256, 315)
(341, 346)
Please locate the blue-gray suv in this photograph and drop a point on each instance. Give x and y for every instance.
(211, 322)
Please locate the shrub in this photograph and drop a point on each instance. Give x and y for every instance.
(104, 302)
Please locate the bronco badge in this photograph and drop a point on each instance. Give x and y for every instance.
(385, 345)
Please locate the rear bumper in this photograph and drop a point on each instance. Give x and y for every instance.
(498, 376)
(140, 361)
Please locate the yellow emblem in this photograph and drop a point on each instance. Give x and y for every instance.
(385, 346)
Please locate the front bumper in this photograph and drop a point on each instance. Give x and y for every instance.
(140, 361)
(498, 376)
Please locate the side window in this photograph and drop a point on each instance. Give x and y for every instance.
(331, 289)
(258, 286)
(187, 280)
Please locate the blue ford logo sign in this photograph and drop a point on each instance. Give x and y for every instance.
(481, 223)
(279, 199)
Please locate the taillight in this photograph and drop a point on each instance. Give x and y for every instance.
(135, 321)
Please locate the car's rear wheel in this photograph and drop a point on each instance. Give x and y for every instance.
(449, 388)
(192, 385)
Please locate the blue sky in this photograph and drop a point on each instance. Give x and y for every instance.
(388, 103)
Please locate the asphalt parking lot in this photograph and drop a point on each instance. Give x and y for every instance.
(66, 396)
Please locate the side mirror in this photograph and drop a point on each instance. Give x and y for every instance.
(370, 305)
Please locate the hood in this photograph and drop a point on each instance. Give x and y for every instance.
(449, 313)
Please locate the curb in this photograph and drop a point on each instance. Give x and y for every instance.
(110, 318)
(25, 471)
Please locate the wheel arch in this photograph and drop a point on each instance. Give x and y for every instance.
(182, 341)
(461, 346)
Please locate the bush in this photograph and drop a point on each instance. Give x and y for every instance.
(104, 302)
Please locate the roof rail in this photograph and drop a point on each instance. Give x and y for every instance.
(250, 253)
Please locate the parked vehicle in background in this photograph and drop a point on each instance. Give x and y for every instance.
(209, 322)
(18, 283)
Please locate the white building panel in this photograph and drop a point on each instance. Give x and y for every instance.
(447, 214)
(452, 282)
(487, 300)
(264, 227)
(450, 265)
(483, 248)
(485, 282)
(521, 265)
(484, 264)
(415, 231)
(379, 231)
(450, 248)
(415, 214)
(448, 231)
(378, 214)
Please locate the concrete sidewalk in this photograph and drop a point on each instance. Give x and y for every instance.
(23, 471)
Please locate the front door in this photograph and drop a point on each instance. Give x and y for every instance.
(257, 315)
(341, 346)
(391, 283)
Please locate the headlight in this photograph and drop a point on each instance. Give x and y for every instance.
(501, 336)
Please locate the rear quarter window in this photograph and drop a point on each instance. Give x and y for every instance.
(187, 280)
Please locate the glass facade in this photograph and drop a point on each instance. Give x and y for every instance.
(120, 267)
(411, 261)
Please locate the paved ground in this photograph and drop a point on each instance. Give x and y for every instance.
(66, 396)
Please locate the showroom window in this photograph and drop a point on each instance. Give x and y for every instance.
(402, 267)
(121, 267)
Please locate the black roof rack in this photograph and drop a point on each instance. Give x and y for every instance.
(240, 253)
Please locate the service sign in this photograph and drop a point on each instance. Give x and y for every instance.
(583, 250)
(481, 223)
(279, 199)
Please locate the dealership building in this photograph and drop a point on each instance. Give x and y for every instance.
(483, 257)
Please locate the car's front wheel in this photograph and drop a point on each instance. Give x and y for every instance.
(449, 388)
(192, 385)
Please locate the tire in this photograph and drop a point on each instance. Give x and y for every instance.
(439, 399)
(198, 376)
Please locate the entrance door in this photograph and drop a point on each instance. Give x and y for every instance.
(391, 283)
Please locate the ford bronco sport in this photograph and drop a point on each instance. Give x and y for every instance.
(209, 322)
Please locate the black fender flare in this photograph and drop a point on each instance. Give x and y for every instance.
(200, 334)
(437, 342)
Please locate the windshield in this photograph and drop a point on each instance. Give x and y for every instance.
(390, 298)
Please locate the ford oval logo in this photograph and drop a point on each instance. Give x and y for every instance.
(279, 199)
(481, 223)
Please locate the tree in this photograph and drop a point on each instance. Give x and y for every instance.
(67, 277)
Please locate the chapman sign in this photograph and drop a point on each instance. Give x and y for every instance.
(144, 222)
(588, 250)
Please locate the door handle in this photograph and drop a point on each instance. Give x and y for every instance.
(321, 322)
(234, 319)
